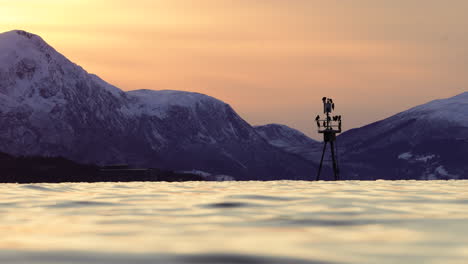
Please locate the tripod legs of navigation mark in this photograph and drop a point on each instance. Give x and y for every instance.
(336, 170)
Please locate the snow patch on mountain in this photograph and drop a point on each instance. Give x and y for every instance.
(411, 157)
(426, 158)
(440, 173)
(405, 156)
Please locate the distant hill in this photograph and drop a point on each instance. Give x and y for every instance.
(426, 142)
(429, 141)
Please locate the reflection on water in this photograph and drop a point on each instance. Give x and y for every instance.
(235, 222)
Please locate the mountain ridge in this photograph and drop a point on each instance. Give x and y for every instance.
(428, 141)
(53, 107)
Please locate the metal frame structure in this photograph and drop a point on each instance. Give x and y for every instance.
(329, 127)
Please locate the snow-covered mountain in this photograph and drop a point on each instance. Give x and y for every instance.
(291, 141)
(51, 106)
(429, 141)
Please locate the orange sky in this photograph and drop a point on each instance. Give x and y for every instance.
(272, 60)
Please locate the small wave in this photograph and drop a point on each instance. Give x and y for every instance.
(319, 222)
(75, 204)
(9, 205)
(240, 259)
(228, 205)
(265, 197)
(38, 188)
(62, 257)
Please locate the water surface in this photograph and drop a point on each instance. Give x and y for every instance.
(235, 222)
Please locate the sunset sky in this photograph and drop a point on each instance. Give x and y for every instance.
(272, 60)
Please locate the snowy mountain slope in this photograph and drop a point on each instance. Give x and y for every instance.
(42, 94)
(291, 141)
(453, 110)
(425, 142)
(50, 106)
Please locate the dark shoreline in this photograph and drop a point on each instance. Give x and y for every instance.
(59, 170)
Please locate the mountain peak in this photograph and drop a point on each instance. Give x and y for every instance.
(17, 45)
(453, 109)
(32, 71)
(21, 47)
(12, 39)
(25, 34)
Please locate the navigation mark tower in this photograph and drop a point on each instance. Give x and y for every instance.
(329, 127)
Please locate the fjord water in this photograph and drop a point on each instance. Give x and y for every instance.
(235, 222)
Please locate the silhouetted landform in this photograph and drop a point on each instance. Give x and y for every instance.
(426, 142)
(50, 106)
(57, 170)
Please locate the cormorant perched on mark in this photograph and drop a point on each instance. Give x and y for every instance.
(317, 118)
